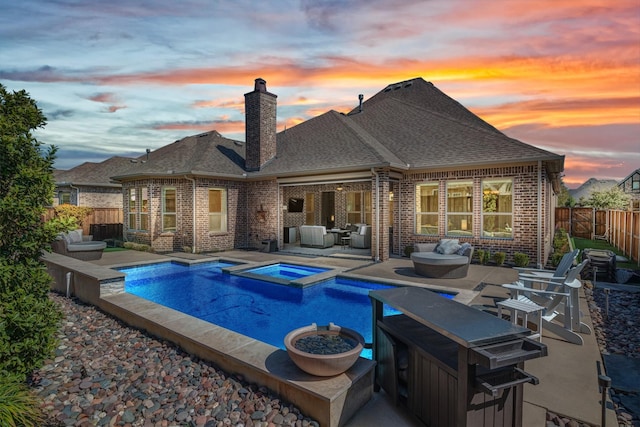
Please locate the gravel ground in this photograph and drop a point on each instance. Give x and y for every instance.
(107, 374)
(617, 333)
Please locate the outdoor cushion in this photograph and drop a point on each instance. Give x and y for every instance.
(75, 236)
(463, 248)
(448, 246)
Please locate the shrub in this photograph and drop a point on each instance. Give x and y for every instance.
(28, 318)
(499, 258)
(520, 259)
(137, 247)
(408, 250)
(483, 256)
(73, 213)
(18, 405)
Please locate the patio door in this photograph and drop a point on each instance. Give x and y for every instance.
(328, 209)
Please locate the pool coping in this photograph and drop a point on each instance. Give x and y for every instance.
(302, 282)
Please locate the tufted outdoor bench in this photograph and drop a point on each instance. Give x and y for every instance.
(432, 264)
(74, 245)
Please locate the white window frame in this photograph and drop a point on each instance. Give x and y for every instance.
(431, 229)
(504, 231)
(166, 214)
(221, 216)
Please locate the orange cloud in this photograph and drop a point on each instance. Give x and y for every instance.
(223, 127)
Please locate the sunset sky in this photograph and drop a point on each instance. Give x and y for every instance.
(117, 77)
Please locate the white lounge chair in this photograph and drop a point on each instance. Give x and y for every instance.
(558, 304)
(561, 270)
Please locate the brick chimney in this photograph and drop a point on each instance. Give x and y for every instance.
(260, 126)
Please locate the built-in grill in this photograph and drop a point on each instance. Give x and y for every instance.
(450, 364)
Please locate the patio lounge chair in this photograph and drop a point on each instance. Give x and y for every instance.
(558, 303)
(73, 244)
(561, 270)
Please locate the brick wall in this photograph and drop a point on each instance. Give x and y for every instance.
(260, 132)
(525, 209)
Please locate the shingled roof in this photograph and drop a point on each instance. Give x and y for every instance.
(407, 125)
(92, 173)
(208, 153)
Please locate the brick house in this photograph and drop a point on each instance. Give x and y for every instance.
(631, 186)
(410, 161)
(89, 184)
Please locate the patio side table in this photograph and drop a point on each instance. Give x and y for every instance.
(526, 308)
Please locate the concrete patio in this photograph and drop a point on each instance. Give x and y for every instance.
(568, 375)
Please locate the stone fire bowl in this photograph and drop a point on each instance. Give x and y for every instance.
(323, 365)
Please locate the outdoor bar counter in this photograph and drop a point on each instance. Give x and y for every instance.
(450, 364)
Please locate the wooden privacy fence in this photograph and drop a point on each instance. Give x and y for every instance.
(97, 216)
(619, 228)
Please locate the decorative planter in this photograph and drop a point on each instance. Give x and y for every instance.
(324, 365)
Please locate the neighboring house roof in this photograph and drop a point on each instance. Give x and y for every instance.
(591, 185)
(93, 174)
(409, 124)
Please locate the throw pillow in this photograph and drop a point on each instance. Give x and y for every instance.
(448, 246)
(75, 236)
(463, 248)
(66, 238)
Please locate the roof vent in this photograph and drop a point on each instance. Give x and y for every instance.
(360, 98)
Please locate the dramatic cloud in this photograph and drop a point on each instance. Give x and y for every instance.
(563, 75)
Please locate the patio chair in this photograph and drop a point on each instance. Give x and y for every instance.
(561, 270)
(559, 303)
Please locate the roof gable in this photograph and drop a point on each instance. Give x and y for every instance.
(208, 153)
(426, 96)
(423, 138)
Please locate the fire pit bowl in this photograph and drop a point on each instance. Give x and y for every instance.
(324, 351)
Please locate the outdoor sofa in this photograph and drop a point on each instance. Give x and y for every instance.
(315, 236)
(361, 238)
(73, 244)
(447, 259)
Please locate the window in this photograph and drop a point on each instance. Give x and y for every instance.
(427, 208)
(64, 198)
(310, 209)
(169, 209)
(368, 217)
(144, 209)
(359, 207)
(132, 209)
(497, 208)
(218, 210)
(354, 207)
(460, 208)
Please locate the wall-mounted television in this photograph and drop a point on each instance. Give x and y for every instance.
(296, 205)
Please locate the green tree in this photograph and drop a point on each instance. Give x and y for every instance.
(564, 197)
(614, 198)
(28, 318)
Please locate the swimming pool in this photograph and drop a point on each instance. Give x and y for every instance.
(261, 310)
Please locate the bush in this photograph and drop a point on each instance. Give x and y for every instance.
(408, 250)
(483, 256)
(520, 259)
(137, 247)
(18, 405)
(499, 258)
(72, 213)
(28, 318)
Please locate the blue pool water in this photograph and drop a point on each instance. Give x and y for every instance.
(261, 310)
(286, 271)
